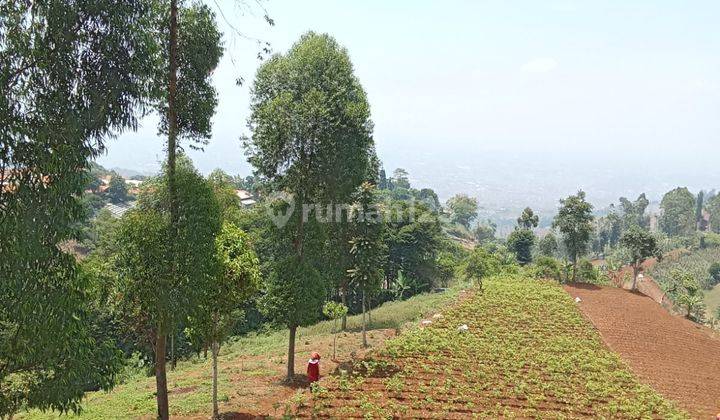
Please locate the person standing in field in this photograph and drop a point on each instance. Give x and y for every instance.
(313, 368)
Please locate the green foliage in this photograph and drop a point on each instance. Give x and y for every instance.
(713, 207)
(310, 121)
(485, 232)
(687, 293)
(633, 213)
(640, 245)
(528, 219)
(117, 190)
(678, 212)
(154, 287)
(400, 179)
(547, 245)
(520, 242)
(72, 74)
(546, 268)
(413, 237)
(367, 250)
(574, 221)
(238, 277)
(714, 272)
(483, 263)
(199, 51)
(463, 209)
(294, 293)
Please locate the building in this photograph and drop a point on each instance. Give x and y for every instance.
(246, 198)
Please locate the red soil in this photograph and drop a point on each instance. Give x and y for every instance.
(679, 358)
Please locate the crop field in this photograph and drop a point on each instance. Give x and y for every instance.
(527, 352)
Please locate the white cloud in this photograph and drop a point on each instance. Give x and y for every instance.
(540, 65)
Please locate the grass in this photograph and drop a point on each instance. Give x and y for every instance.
(243, 363)
(528, 353)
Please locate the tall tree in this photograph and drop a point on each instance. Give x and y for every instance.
(633, 213)
(678, 212)
(640, 245)
(574, 221)
(367, 248)
(189, 49)
(463, 209)
(224, 295)
(311, 136)
(72, 74)
(162, 281)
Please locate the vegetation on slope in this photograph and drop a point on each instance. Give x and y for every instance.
(245, 361)
(697, 264)
(527, 352)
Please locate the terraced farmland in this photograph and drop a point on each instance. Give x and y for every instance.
(527, 352)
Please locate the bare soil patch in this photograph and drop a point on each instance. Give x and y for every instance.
(677, 357)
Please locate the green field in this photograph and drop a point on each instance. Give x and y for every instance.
(528, 353)
(247, 358)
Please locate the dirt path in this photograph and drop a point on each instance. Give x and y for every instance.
(677, 357)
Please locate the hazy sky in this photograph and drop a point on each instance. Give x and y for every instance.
(459, 83)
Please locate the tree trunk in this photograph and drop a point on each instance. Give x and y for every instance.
(172, 117)
(161, 377)
(343, 300)
(334, 338)
(215, 351)
(636, 270)
(291, 354)
(364, 335)
(172, 351)
(574, 275)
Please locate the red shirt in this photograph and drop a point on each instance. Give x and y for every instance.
(313, 370)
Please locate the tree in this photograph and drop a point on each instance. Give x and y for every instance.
(687, 292)
(219, 310)
(699, 206)
(713, 207)
(463, 209)
(481, 264)
(367, 248)
(520, 242)
(400, 179)
(72, 75)
(714, 272)
(335, 311)
(485, 232)
(117, 190)
(311, 137)
(678, 212)
(548, 245)
(528, 219)
(633, 213)
(430, 198)
(185, 100)
(574, 221)
(640, 245)
(162, 281)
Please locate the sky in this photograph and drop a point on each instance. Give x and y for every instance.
(499, 99)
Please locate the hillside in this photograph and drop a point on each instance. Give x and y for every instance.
(527, 352)
(251, 369)
(676, 356)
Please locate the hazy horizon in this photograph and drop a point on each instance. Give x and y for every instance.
(515, 104)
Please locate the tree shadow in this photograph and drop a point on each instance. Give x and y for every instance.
(584, 286)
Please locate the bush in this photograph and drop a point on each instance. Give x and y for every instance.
(546, 268)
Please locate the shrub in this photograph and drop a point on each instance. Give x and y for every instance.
(546, 268)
